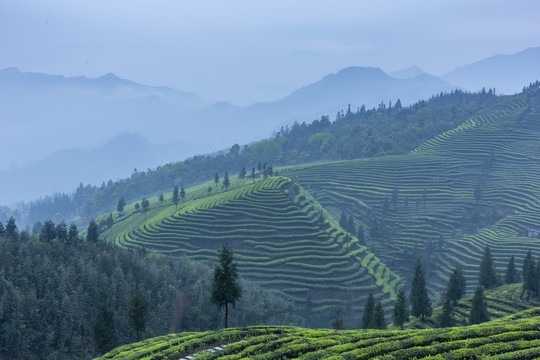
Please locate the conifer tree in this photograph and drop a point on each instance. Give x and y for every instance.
(420, 304)
(216, 179)
(350, 225)
(456, 286)
(242, 174)
(92, 232)
(161, 198)
(226, 181)
(488, 277)
(103, 324)
(445, 318)
(478, 312)
(343, 220)
(137, 312)
(369, 308)
(145, 206)
(182, 193)
(530, 276)
(175, 196)
(511, 276)
(11, 228)
(73, 233)
(401, 309)
(361, 235)
(121, 204)
(379, 321)
(225, 286)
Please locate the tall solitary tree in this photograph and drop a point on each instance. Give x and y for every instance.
(511, 275)
(121, 204)
(445, 318)
(369, 308)
(401, 309)
(175, 196)
(225, 286)
(478, 312)
(226, 181)
(379, 321)
(216, 179)
(488, 277)
(530, 274)
(420, 304)
(182, 193)
(456, 286)
(137, 312)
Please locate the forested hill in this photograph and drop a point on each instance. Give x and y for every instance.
(354, 133)
(60, 294)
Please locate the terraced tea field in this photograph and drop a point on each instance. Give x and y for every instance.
(513, 337)
(501, 301)
(431, 209)
(281, 237)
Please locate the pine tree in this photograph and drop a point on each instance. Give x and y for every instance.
(420, 304)
(369, 308)
(401, 309)
(103, 324)
(361, 235)
(216, 179)
(11, 228)
(48, 232)
(530, 276)
(488, 277)
(445, 318)
(62, 232)
(379, 321)
(225, 286)
(511, 276)
(73, 233)
(478, 312)
(137, 312)
(242, 174)
(92, 232)
(175, 196)
(161, 198)
(226, 181)
(456, 286)
(182, 193)
(121, 204)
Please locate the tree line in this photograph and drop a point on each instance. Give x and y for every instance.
(56, 295)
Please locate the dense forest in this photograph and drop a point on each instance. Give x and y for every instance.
(56, 292)
(388, 129)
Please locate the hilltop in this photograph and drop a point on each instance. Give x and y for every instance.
(513, 337)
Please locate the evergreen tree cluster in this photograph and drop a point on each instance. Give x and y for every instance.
(53, 291)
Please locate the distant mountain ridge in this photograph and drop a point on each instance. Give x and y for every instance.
(508, 74)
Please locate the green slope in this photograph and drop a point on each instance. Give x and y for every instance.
(501, 301)
(513, 337)
(281, 239)
(497, 150)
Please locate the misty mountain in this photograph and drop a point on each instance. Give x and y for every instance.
(63, 170)
(508, 74)
(356, 86)
(45, 113)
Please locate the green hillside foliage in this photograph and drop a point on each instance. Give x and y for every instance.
(282, 240)
(49, 290)
(513, 337)
(356, 133)
(502, 301)
(474, 186)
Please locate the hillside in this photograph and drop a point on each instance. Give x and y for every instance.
(513, 337)
(501, 301)
(423, 203)
(282, 239)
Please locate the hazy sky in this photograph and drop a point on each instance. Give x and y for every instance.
(250, 50)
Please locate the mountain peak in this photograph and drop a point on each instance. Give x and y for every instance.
(407, 73)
